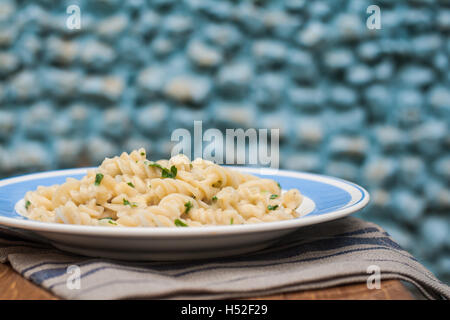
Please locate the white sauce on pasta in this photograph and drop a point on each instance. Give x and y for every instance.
(130, 191)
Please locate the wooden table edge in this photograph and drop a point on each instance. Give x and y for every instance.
(15, 287)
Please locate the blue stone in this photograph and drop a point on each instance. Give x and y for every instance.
(234, 80)
(412, 172)
(319, 9)
(338, 58)
(97, 56)
(434, 231)
(184, 118)
(234, 115)
(188, 88)
(342, 169)
(68, 152)
(443, 19)
(378, 171)
(389, 138)
(269, 90)
(307, 98)
(24, 86)
(61, 83)
(295, 5)
(408, 206)
(442, 168)
(9, 63)
(428, 137)
(302, 66)
(217, 10)
(137, 142)
(112, 27)
(99, 148)
(384, 70)
(426, 44)
(150, 81)
(33, 156)
(355, 147)
(369, 51)
(224, 36)
(379, 99)
(37, 120)
(152, 119)
(349, 122)
(107, 88)
(148, 23)
(249, 17)
(312, 35)
(343, 97)
(409, 107)
(304, 161)
(281, 24)
(359, 75)
(310, 132)
(203, 55)
(437, 194)
(116, 123)
(439, 99)
(63, 52)
(162, 46)
(416, 76)
(269, 53)
(177, 25)
(8, 123)
(348, 26)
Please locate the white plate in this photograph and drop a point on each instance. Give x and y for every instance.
(326, 199)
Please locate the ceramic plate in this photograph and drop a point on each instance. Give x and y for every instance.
(326, 199)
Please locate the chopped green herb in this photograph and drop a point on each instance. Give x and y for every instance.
(279, 186)
(214, 198)
(165, 173)
(169, 174)
(154, 165)
(272, 207)
(110, 220)
(27, 204)
(98, 178)
(188, 205)
(190, 165)
(128, 203)
(273, 196)
(131, 184)
(231, 221)
(180, 223)
(142, 153)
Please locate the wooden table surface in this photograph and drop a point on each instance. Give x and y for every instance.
(13, 286)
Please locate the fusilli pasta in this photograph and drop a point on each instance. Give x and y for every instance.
(131, 191)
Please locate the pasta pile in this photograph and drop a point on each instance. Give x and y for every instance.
(130, 191)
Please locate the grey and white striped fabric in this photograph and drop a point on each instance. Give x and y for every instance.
(333, 253)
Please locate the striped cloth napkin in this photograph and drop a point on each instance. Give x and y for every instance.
(344, 251)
